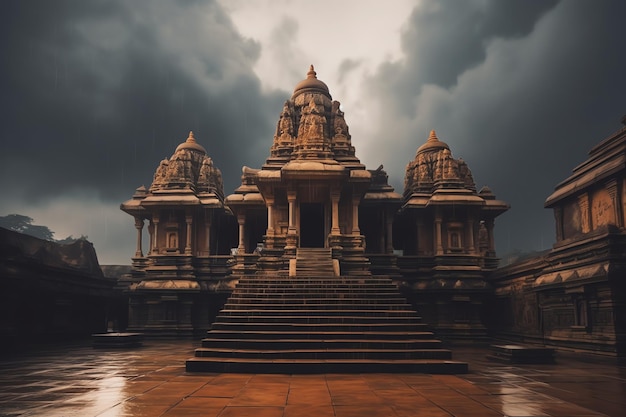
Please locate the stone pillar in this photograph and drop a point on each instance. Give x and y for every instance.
(270, 216)
(188, 220)
(470, 236)
(419, 226)
(207, 226)
(355, 215)
(489, 224)
(585, 213)
(155, 220)
(558, 219)
(389, 231)
(611, 187)
(438, 245)
(334, 198)
(151, 235)
(139, 227)
(291, 198)
(241, 219)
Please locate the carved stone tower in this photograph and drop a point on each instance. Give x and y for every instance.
(189, 243)
(445, 230)
(308, 192)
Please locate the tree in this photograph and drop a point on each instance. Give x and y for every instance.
(23, 224)
(71, 239)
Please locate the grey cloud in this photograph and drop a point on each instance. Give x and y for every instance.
(346, 67)
(523, 112)
(95, 93)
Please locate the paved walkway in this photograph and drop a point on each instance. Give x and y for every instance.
(151, 381)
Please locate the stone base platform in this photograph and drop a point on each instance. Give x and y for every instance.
(521, 354)
(117, 340)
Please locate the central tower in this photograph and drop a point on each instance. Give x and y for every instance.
(308, 192)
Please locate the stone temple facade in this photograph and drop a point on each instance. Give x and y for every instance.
(188, 225)
(574, 295)
(435, 240)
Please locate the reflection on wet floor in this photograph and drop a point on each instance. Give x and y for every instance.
(77, 380)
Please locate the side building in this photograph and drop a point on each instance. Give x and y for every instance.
(574, 296)
(174, 287)
(445, 232)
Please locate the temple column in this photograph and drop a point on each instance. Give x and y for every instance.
(611, 187)
(151, 236)
(139, 227)
(207, 226)
(419, 226)
(291, 198)
(188, 221)
(558, 219)
(438, 245)
(470, 236)
(270, 216)
(355, 216)
(241, 219)
(389, 231)
(155, 221)
(489, 224)
(334, 198)
(382, 231)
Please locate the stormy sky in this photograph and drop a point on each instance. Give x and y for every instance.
(95, 93)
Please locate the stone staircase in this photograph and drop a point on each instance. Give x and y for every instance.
(314, 262)
(317, 322)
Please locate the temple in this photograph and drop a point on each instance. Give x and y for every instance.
(434, 241)
(189, 244)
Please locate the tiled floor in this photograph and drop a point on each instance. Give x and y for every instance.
(151, 381)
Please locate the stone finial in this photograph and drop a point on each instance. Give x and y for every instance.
(191, 138)
(311, 73)
(433, 136)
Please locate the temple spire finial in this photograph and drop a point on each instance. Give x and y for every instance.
(191, 138)
(311, 73)
(433, 136)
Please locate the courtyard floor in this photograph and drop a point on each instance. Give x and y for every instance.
(77, 380)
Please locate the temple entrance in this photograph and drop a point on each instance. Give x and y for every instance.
(311, 225)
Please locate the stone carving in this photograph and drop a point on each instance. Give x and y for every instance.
(159, 175)
(283, 137)
(311, 141)
(602, 209)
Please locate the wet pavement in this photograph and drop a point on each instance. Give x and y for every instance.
(77, 380)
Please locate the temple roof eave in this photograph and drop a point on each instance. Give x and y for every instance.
(584, 179)
(389, 196)
(245, 199)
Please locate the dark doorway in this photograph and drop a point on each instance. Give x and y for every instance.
(311, 225)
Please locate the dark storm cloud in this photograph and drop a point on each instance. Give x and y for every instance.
(522, 96)
(96, 93)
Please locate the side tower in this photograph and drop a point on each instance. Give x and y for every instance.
(308, 193)
(445, 230)
(186, 261)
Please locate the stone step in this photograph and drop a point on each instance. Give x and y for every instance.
(304, 300)
(286, 344)
(234, 305)
(331, 320)
(321, 366)
(282, 312)
(268, 354)
(282, 326)
(283, 335)
(313, 281)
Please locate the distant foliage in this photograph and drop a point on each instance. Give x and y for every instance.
(71, 239)
(24, 224)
